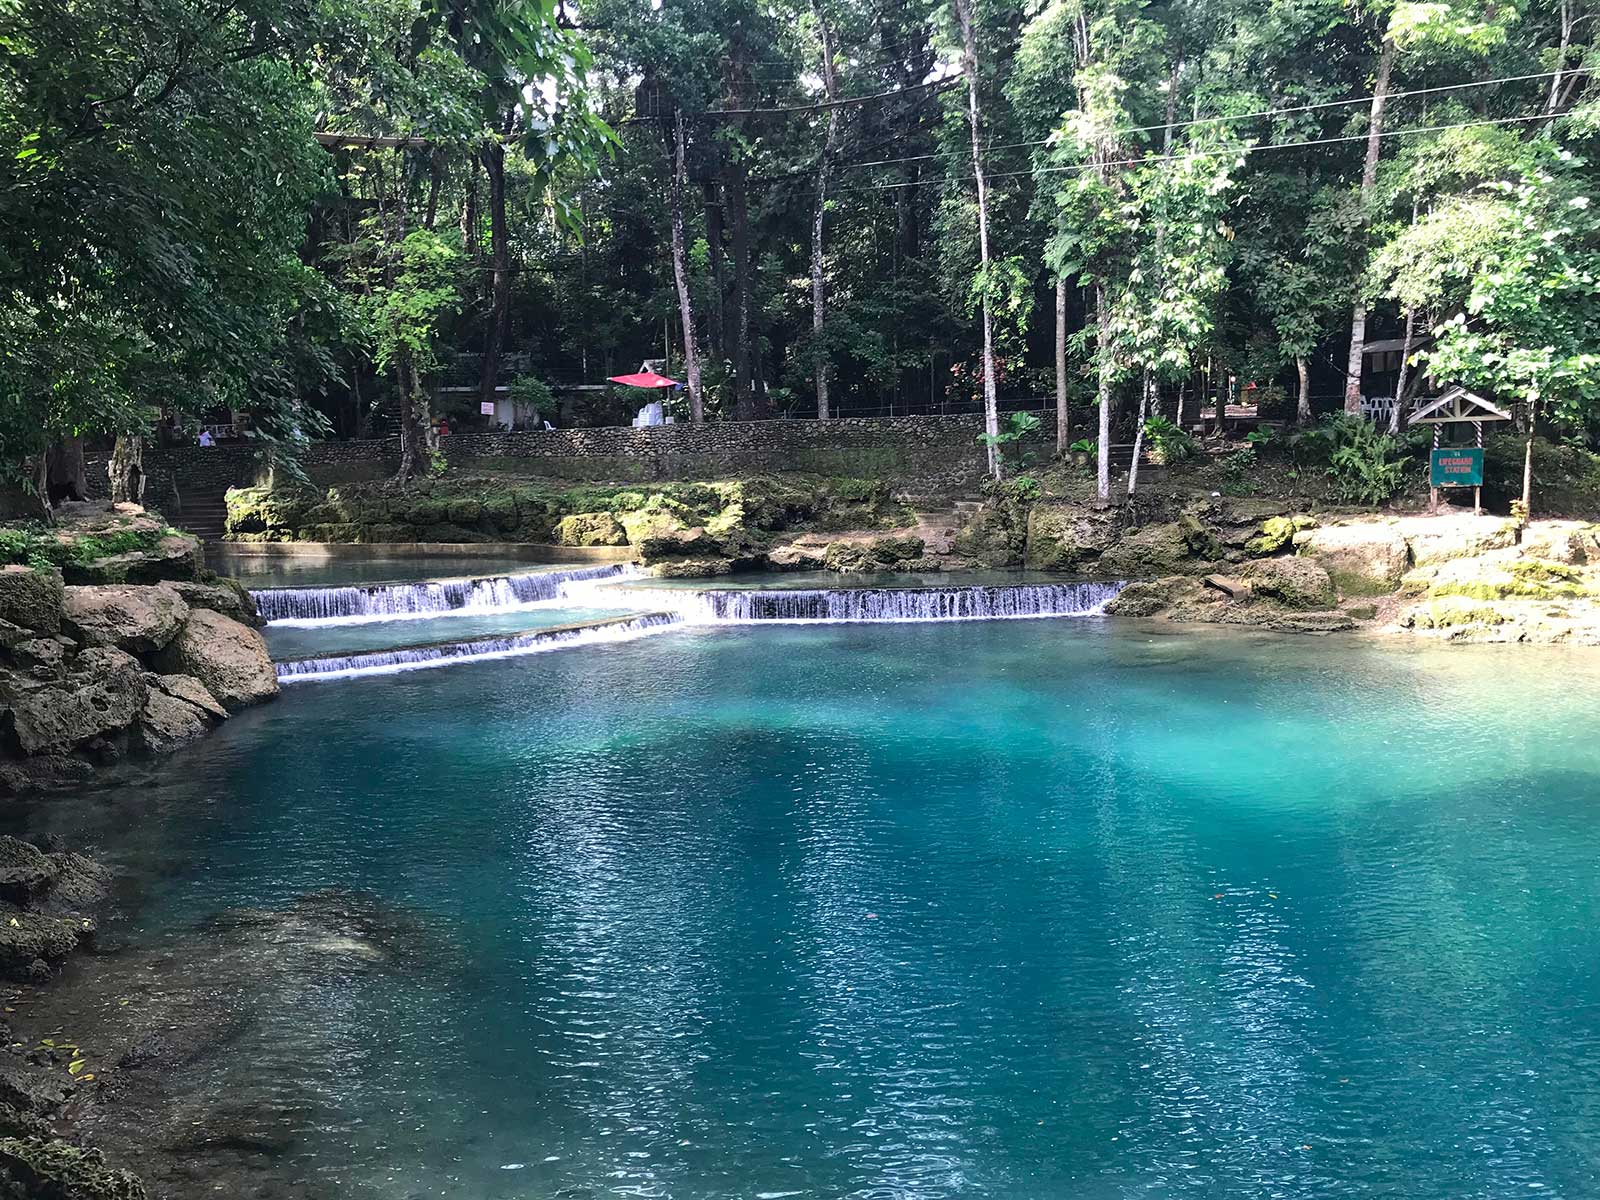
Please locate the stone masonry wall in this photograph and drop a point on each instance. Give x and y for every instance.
(919, 453)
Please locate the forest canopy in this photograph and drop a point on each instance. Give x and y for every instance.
(313, 212)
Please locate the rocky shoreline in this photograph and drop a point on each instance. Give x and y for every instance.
(127, 655)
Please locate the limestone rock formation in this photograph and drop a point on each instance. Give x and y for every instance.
(228, 658)
(140, 619)
(1365, 559)
(31, 599)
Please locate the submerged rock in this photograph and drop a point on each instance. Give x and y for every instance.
(228, 658)
(50, 1169)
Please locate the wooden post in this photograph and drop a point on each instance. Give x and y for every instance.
(1477, 491)
(1433, 492)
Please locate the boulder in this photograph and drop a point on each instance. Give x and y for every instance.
(167, 723)
(226, 596)
(798, 555)
(654, 516)
(1278, 532)
(104, 694)
(1568, 542)
(139, 619)
(46, 772)
(1294, 582)
(50, 1167)
(228, 658)
(1161, 549)
(1365, 559)
(175, 556)
(590, 529)
(1501, 575)
(1438, 539)
(1059, 537)
(860, 555)
(693, 568)
(191, 691)
(43, 658)
(1145, 597)
(31, 599)
(679, 543)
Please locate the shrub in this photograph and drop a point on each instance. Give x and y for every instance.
(1168, 442)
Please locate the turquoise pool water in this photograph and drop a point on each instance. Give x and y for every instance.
(1031, 909)
(297, 641)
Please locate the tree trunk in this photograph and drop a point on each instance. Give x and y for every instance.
(716, 251)
(969, 65)
(494, 164)
(1063, 412)
(743, 288)
(1369, 176)
(469, 212)
(66, 476)
(1146, 396)
(1397, 417)
(1103, 392)
(417, 439)
(1302, 409)
(680, 274)
(127, 470)
(435, 178)
(830, 83)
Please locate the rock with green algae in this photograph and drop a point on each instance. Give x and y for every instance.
(1201, 542)
(1278, 532)
(1449, 611)
(1145, 597)
(994, 536)
(51, 1169)
(860, 556)
(1061, 537)
(590, 529)
(1502, 576)
(1294, 582)
(1362, 558)
(692, 568)
(1160, 549)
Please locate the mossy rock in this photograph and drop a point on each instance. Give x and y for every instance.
(876, 554)
(1451, 612)
(1060, 537)
(590, 529)
(31, 599)
(1277, 533)
(1294, 582)
(652, 515)
(1146, 597)
(693, 568)
(51, 1169)
(1161, 549)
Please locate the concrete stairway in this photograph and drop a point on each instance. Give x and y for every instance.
(203, 514)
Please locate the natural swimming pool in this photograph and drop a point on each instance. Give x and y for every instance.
(1061, 908)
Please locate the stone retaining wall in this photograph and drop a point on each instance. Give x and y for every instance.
(926, 453)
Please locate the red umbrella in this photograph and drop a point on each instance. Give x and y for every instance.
(644, 379)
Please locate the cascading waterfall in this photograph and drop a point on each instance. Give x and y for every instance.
(975, 603)
(392, 601)
(534, 641)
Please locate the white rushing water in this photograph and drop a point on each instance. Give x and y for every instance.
(396, 601)
(670, 606)
(412, 658)
(973, 603)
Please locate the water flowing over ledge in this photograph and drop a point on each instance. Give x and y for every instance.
(534, 641)
(974, 603)
(392, 601)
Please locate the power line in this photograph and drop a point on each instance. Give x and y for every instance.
(1266, 112)
(1240, 150)
(941, 84)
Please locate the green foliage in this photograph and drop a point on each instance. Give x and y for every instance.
(1168, 442)
(1238, 470)
(39, 547)
(1017, 426)
(529, 391)
(1365, 466)
(1084, 446)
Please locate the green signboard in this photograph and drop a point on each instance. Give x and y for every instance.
(1457, 466)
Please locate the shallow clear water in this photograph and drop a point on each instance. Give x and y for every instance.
(1027, 909)
(298, 641)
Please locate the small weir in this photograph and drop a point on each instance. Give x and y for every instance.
(391, 601)
(974, 603)
(613, 586)
(437, 654)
